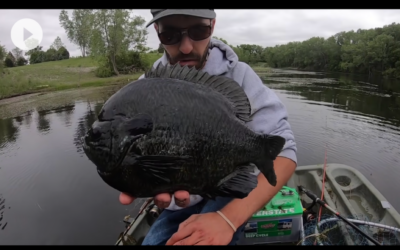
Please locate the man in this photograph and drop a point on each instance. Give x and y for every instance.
(189, 219)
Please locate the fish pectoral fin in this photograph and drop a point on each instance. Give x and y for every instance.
(274, 145)
(237, 184)
(267, 169)
(161, 166)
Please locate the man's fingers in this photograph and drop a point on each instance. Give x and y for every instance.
(187, 221)
(161, 204)
(125, 199)
(162, 200)
(192, 240)
(182, 198)
(182, 234)
(182, 195)
(203, 242)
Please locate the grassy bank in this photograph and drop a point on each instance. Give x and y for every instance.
(59, 75)
(261, 67)
(68, 74)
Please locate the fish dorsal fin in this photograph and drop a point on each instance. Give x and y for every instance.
(224, 85)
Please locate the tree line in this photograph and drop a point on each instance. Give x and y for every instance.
(55, 52)
(11, 58)
(117, 40)
(15, 57)
(365, 51)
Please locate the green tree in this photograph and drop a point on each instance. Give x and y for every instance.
(62, 53)
(3, 53)
(51, 54)
(115, 32)
(10, 60)
(21, 61)
(36, 55)
(160, 48)
(221, 39)
(366, 51)
(17, 53)
(78, 28)
(57, 44)
(249, 53)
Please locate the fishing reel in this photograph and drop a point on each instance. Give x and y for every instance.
(308, 215)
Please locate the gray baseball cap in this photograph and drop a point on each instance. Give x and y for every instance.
(160, 13)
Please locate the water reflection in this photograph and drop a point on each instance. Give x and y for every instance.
(3, 224)
(43, 124)
(24, 119)
(65, 114)
(85, 122)
(9, 132)
(56, 195)
(375, 98)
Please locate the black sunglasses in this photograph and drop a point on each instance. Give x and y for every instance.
(174, 35)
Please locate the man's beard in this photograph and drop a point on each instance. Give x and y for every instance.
(201, 59)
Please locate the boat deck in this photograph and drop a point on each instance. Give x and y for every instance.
(346, 190)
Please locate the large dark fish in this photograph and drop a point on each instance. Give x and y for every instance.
(180, 129)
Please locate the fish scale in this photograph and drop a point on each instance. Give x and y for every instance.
(180, 129)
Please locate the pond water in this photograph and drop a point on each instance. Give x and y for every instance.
(50, 192)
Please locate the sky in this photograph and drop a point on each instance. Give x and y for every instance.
(262, 27)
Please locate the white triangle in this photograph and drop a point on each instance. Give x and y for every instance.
(27, 34)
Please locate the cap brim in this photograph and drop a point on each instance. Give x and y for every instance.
(187, 12)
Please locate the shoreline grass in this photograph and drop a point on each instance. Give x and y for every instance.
(59, 75)
(68, 74)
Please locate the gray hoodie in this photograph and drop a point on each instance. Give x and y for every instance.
(269, 115)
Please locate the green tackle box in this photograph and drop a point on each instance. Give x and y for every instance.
(280, 221)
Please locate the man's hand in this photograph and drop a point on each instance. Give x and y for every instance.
(161, 200)
(203, 229)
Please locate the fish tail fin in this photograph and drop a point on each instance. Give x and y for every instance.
(272, 146)
(236, 185)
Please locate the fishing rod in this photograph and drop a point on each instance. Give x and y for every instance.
(315, 199)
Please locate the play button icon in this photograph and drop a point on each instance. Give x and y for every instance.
(26, 34)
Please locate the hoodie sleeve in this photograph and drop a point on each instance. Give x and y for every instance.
(269, 114)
